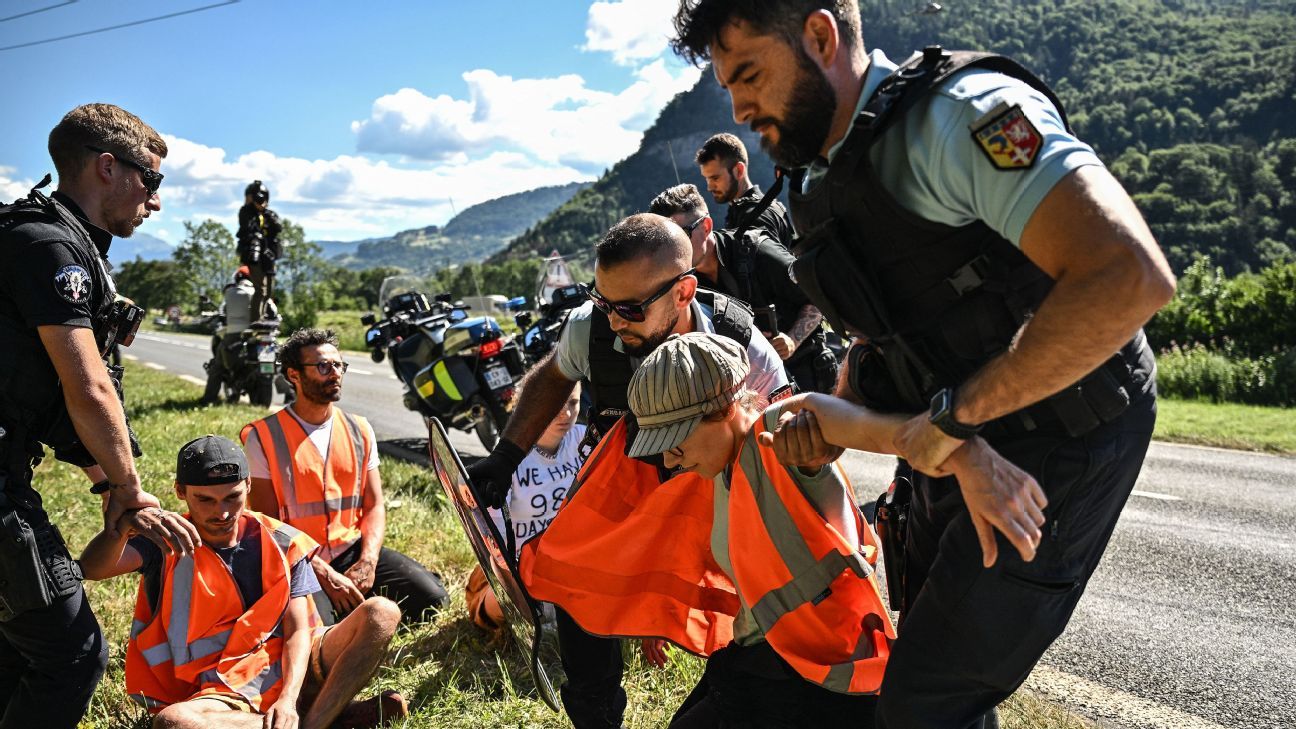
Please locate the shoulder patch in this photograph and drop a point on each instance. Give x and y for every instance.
(1008, 137)
(72, 282)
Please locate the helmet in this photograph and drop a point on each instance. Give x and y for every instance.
(242, 273)
(258, 191)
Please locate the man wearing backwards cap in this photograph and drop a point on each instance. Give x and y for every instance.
(229, 635)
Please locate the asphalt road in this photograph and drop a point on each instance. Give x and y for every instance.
(1189, 621)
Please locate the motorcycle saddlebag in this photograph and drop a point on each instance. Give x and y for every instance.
(446, 384)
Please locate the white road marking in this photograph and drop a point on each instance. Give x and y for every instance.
(1110, 705)
(154, 366)
(194, 380)
(130, 357)
(1153, 495)
(358, 371)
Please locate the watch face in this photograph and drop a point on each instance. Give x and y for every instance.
(940, 404)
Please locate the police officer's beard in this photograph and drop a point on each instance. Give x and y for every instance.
(122, 226)
(806, 120)
(651, 341)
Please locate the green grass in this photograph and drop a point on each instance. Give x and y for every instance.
(347, 325)
(1227, 425)
(453, 673)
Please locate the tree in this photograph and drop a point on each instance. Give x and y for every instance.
(301, 274)
(208, 259)
(152, 284)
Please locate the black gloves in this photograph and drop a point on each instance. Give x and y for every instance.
(492, 475)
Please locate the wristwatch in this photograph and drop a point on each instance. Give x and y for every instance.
(942, 416)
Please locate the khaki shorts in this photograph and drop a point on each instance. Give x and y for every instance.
(315, 674)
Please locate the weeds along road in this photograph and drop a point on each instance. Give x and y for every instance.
(1190, 620)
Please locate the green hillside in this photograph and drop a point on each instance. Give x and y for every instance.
(470, 236)
(1190, 102)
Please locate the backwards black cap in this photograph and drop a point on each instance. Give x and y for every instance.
(210, 461)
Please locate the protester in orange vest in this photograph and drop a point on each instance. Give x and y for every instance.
(316, 467)
(228, 636)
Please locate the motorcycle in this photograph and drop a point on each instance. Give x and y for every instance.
(540, 335)
(455, 367)
(252, 365)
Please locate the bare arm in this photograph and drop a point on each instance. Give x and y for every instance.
(108, 555)
(806, 322)
(545, 390)
(373, 529)
(1110, 279)
(295, 659)
(262, 498)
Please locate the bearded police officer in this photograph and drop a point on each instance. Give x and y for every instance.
(1001, 276)
(57, 319)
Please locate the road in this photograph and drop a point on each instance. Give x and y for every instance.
(1189, 621)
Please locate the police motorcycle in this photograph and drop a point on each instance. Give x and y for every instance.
(455, 367)
(253, 364)
(540, 335)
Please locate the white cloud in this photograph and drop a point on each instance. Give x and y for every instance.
(11, 187)
(555, 121)
(633, 31)
(345, 197)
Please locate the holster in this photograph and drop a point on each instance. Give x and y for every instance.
(35, 567)
(892, 525)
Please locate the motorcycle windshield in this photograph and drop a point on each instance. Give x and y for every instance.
(404, 284)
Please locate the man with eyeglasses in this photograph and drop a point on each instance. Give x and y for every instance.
(56, 323)
(644, 291)
(756, 269)
(316, 468)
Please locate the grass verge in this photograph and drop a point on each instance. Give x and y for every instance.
(453, 673)
(1227, 425)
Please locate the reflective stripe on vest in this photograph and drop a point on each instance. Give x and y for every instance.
(236, 650)
(323, 498)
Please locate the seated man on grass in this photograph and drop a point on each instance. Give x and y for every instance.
(229, 636)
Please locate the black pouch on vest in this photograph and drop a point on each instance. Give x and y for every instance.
(35, 567)
(826, 271)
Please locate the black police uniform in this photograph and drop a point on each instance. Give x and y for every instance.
(767, 282)
(936, 303)
(53, 271)
(773, 219)
(258, 248)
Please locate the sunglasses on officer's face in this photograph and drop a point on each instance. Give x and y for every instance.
(151, 178)
(633, 312)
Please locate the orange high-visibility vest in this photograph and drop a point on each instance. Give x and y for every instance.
(629, 555)
(325, 500)
(200, 640)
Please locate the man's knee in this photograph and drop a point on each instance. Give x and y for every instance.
(379, 618)
(177, 716)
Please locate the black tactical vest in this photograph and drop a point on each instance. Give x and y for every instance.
(935, 302)
(610, 370)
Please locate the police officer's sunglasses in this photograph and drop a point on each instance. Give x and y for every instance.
(151, 178)
(633, 312)
(693, 225)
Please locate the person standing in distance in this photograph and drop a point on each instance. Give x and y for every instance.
(722, 160)
(258, 244)
(1001, 277)
(56, 310)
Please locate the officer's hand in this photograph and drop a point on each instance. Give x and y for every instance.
(999, 495)
(341, 591)
(924, 445)
(171, 532)
(654, 651)
(124, 498)
(492, 475)
(783, 344)
(798, 441)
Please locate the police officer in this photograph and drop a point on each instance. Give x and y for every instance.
(1002, 277)
(258, 244)
(722, 160)
(56, 319)
(756, 269)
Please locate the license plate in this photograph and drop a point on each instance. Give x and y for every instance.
(498, 376)
(267, 368)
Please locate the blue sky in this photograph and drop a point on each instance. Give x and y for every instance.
(365, 118)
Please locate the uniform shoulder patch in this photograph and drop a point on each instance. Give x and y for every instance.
(1008, 137)
(72, 282)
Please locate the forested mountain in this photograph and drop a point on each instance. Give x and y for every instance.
(470, 236)
(1192, 103)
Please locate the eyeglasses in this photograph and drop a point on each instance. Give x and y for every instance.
(151, 178)
(324, 368)
(634, 312)
(689, 228)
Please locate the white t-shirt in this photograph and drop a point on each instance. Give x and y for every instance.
(540, 486)
(319, 435)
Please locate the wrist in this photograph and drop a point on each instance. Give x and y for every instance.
(509, 452)
(944, 405)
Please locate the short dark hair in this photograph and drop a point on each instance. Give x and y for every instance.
(106, 126)
(725, 147)
(290, 354)
(698, 22)
(678, 199)
(645, 235)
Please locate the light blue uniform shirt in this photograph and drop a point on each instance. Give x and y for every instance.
(934, 168)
